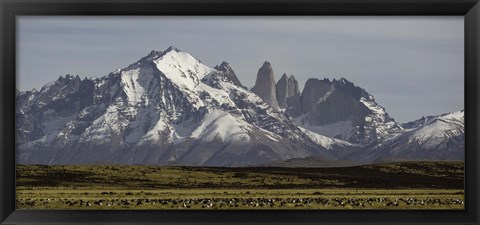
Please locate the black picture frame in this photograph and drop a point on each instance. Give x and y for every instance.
(9, 9)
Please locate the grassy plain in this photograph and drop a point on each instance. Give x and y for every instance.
(404, 185)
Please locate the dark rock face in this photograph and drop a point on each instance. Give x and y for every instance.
(265, 85)
(339, 101)
(285, 88)
(58, 99)
(294, 106)
(229, 74)
(342, 110)
(335, 107)
(314, 90)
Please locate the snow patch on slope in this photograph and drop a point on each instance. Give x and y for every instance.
(132, 88)
(54, 127)
(108, 125)
(324, 141)
(182, 69)
(342, 129)
(438, 129)
(378, 119)
(156, 132)
(221, 125)
(375, 108)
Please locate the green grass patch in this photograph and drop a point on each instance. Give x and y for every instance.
(402, 185)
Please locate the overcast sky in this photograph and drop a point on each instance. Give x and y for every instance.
(414, 66)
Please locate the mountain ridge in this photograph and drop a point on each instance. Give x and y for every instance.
(168, 108)
(165, 108)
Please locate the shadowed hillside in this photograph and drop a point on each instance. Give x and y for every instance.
(400, 175)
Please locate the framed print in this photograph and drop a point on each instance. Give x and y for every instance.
(254, 112)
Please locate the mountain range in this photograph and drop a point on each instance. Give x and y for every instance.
(168, 108)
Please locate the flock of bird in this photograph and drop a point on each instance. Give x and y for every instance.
(222, 203)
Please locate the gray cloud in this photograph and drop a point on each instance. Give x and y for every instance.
(412, 65)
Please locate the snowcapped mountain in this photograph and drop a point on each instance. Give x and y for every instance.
(429, 138)
(340, 109)
(170, 109)
(166, 108)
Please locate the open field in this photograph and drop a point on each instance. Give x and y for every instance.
(406, 185)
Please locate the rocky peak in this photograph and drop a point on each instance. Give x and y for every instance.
(154, 54)
(224, 66)
(265, 85)
(351, 89)
(291, 77)
(294, 83)
(64, 81)
(68, 77)
(172, 48)
(286, 87)
(267, 66)
(228, 73)
(339, 108)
